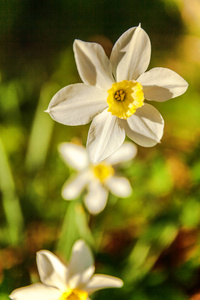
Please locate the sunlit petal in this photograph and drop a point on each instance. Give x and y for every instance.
(125, 153)
(145, 127)
(74, 155)
(99, 282)
(96, 199)
(36, 291)
(51, 270)
(77, 104)
(75, 185)
(105, 136)
(93, 65)
(161, 84)
(131, 54)
(81, 265)
(119, 186)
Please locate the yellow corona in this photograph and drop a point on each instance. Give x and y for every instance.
(74, 294)
(124, 98)
(102, 171)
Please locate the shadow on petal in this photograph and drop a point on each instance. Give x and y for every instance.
(157, 93)
(88, 66)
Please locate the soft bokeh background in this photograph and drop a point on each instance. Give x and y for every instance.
(150, 240)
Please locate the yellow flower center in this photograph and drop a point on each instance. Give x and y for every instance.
(74, 294)
(102, 171)
(120, 95)
(124, 98)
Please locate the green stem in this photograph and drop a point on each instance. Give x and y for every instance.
(10, 201)
(74, 227)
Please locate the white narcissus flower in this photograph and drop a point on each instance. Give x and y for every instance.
(97, 178)
(72, 282)
(113, 94)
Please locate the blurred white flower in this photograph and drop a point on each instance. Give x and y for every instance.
(113, 92)
(98, 178)
(72, 282)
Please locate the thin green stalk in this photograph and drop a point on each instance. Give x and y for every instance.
(10, 201)
(41, 131)
(74, 227)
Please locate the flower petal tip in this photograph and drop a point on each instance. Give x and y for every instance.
(118, 282)
(121, 283)
(10, 296)
(41, 252)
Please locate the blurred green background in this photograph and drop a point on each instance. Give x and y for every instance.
(150, 240)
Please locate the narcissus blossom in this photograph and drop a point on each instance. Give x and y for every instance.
(114, 93)
(72, 282)
(98, 178)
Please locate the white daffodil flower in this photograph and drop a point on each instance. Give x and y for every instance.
(73, 282)
(113, 94)
(97, 178)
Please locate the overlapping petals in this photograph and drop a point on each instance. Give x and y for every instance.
(125, 153)
(57, 278)
(97, 184)
(105, 136)
(81, 265)
(93, 65)
(81, 103)
(51, 270)
(131, 54)
(142, 129)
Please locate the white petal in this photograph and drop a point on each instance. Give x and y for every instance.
(74, 186)
(81, 265)
(119, 186)
(131, 54)
(77, 104)
(51, 270)
(74, 155)
(125, 153)
(145, 127)
(96, 199)
(99, 282)
(105, 136)
(93, 65)
(36, 291)
(161, 84)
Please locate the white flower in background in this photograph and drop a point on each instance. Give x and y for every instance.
(72, 282)
(113, 92)
(98, 178)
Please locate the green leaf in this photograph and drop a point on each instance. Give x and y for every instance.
(74, 227)
(10, 201)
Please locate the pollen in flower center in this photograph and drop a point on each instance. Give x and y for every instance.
(102, 171)
(120, 95)
(124, 98)
(74, 294)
